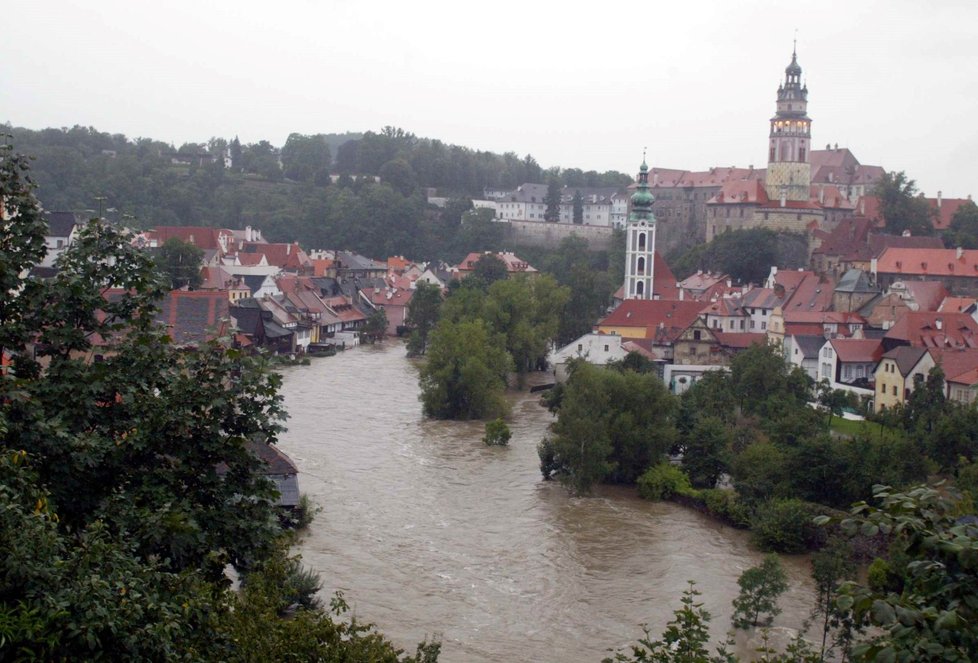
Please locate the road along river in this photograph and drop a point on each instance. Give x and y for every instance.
(428, 531)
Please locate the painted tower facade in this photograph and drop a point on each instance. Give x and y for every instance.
(789, 171)
(640, 240)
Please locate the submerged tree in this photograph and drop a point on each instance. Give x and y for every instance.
(760, 588)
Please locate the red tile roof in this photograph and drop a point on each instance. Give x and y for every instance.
(956, 304)
(200, 236)
(673, 316)
(935, 330)
(513, 263)
(958, 365)
(284, 255)
(193, 317)
(858, 350)
(740, 192)
(928, 262)
(944, 212)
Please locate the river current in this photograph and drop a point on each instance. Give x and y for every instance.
(429, 532)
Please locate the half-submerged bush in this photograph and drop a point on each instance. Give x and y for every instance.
(662, 481)
(785, 525)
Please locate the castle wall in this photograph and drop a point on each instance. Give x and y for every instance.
(549, 235)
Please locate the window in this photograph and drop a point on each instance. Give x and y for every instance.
(640, 288)
(580, 346)
(763, 325)
(641, 241)
(697, 335)
(894, 390)
(606, 348)
(641, 266)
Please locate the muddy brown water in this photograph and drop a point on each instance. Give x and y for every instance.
(429, 532)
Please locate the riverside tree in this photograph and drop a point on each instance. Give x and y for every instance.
(611, 426)
(760, 588)
(126, 480)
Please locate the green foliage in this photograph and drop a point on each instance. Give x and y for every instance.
(611, 426)
(784, 525)
(422, 315)
(181, 263)
(266, 621)
(760, 588)
(934, 617)
(765, 386)
(307, 159)
(901, 207)
(662, 481)
(376, 326)
(746, 255)
(760, 473)
(552, 200)
(465, 373)
(706, 451)
(685, 639)
(398, 174)
(488, 269)
(497, 433)
(963, 230)
(578, 207)
(832, 565)
(590, 286)
(726, 505)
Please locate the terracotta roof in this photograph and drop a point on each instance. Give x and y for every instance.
(250, 259)
(858, 350)
(812, 293)
(944, 212)
(193, 317)
(741, 192)
(956, 363)
(700, 281)
(847, 237)
(673, 316)
(760, 298)
(200, 236)
(284, 255)
(968, 378)
(928, 295)
(725, 306)
(935, 330)
(829, 197)
(956, 304)
(869, 207)
(513, 263)
(880, 242)
(928, 262)
(791, 204)
(321, 265)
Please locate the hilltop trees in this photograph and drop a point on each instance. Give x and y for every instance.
(901, 207)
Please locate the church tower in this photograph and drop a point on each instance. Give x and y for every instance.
(640, 240)
(789, 172)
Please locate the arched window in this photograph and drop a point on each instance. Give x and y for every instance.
(640, 288)
(641, 241)
(641, 266)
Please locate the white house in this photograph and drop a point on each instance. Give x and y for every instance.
(594, 348)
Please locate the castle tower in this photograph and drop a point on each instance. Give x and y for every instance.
(789, 172)
(640, 240)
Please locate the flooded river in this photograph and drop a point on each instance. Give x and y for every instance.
(429, 532)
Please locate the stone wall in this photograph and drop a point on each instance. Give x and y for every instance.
(549, 235)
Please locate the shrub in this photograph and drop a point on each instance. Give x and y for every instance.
(662, 481)
(725, 504)
(497, 433)
(784, 525)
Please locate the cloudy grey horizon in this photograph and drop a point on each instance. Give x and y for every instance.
(585, 85)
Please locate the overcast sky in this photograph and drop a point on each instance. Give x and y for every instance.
(582, 84)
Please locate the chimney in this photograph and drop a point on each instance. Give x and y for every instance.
(288, 249)
(939, 200)
(784, 197)
(862, 207)
(821, 194)
(960, 253)
(247, 233)
(837, 146)
(939, 324)
(906, 233)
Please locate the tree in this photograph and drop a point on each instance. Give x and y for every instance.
(236, 153)
(831, 566)
(306, 158)
(488, 269)
(611, 426)
(934, 553)
(963, 230)
(578, 205)
(399, 175)
(376, 327)
(181, 262)
(552, 199)
(422, 314)
(465, 373)
(706, 452)
(901, 207)
(760, 588)
(685, 639)
(497, 433)
(833, 400)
